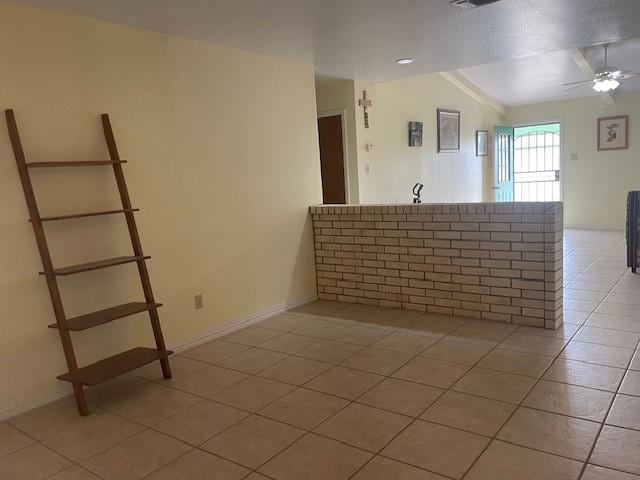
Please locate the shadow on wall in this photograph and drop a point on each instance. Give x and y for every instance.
(302, 267)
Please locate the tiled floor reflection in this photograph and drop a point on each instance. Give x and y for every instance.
(334, 391)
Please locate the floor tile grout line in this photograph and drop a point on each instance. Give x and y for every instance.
(513, 412)
(419, 417)
(74, 462)
(414, 356)
(585, 463)
(128, 437)
(256, 413)
(350, 402)
(354, 401)
(603, 424)
(604, 419)
(494, 438)
(244, 466)
(69, 468)
(199, 447)
(314, 427)
(444, 392)
(518, 406)
(19, 449)
(312, 431)
(540, 378)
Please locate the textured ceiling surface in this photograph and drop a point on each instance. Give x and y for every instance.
(361, 38)
(539, 78)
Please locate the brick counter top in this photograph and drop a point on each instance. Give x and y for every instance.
(494, 261)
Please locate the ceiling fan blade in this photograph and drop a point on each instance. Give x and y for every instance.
(574, 83)
(572, 88)
(628, 75)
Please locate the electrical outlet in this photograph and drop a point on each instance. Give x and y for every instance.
(198, 301)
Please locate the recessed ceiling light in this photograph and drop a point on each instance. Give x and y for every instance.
(405, 61)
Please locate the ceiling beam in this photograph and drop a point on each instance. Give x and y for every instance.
(460, 80)
(580, 59)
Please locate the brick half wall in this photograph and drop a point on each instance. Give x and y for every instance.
(491, 261)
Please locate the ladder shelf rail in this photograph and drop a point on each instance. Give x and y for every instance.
(121, 363)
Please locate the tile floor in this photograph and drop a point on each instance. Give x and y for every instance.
(335, 391)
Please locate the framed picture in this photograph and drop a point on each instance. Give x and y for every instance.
(482, 143)
(613, 133)
(415, 134)
(448, 130)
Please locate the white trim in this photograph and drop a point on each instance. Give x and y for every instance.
(345, 148)
(241, 323)
(41, 399)
(60, 391)
(460, 80)
(535, 123)
(571, 226)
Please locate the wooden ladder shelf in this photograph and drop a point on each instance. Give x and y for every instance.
(121, 363)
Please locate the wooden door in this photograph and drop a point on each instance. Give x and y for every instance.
(503, 164)
(332, 160)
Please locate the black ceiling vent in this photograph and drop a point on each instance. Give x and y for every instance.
(465, 4)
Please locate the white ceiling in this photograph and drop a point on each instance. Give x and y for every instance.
(539, 78)
(361, 38)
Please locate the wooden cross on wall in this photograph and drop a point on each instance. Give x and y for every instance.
(365, 103)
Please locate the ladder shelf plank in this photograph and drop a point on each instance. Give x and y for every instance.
(86, 267)
(121, 363)
(87, 214)
(94, 319)
(81, 163)
(116, 365)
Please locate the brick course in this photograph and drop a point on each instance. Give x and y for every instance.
(500, 262)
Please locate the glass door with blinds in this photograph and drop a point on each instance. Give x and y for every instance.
(536, 174)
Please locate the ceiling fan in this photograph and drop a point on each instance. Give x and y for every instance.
(606, 79)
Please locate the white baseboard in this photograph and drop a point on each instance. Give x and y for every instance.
(591, 227)
(63, 390)
(42, 399)
(240, 323)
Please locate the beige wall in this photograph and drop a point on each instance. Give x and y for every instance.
(334, 95)
(223, 162)
(394, 167)
(387, 173)
(595, 183)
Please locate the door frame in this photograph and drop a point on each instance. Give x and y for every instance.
(562, 162)
(494, 159)
(342, 113)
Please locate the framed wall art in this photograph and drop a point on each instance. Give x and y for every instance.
(448, 130)
(482, 143)
(613, 133)
(415, 134)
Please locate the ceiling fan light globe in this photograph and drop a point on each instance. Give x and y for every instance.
(603, 85)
